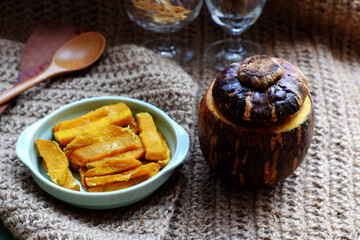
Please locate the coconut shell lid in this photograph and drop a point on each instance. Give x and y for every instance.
(259, 89)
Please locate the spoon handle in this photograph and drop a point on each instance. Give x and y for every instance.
(51, 71)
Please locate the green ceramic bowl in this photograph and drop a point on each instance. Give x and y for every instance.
(175, 135)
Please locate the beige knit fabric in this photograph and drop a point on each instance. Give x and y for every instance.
(321, 200)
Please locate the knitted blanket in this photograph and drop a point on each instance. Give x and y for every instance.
(321, 200)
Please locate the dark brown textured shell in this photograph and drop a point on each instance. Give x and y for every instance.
(240, 102)
(251, 156)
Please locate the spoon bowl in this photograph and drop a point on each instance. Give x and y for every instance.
(80, 52)
(75, 54)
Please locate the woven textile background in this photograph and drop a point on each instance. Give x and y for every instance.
(321, 200)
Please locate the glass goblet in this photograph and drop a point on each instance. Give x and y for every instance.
(234, 16)
(165, 17)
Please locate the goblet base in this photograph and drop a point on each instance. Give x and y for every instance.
(222, 53)
(179, 50)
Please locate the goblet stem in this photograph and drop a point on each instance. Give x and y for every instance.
(235, 45)
(233, 50)
(222, 53)
(176, 49)
(165, 47)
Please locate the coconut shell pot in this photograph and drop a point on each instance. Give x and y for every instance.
(256, 122)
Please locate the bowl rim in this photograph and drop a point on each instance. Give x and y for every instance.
(182, 145)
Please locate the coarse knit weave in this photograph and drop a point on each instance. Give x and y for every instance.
(321, 200)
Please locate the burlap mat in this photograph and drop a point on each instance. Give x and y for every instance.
(319, 201)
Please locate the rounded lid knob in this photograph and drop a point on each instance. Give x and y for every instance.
(259, 71)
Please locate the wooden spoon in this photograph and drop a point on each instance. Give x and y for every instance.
(76, 54)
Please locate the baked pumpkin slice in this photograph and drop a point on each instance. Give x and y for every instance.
(117, 114)
(70, 182)
(54, 160)
(165, 161)
(112, 166)
(92, 136)
(154, 147)
(137, 154)
(100, 150)
(82, 171)
(120, 185)
(142, 170)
